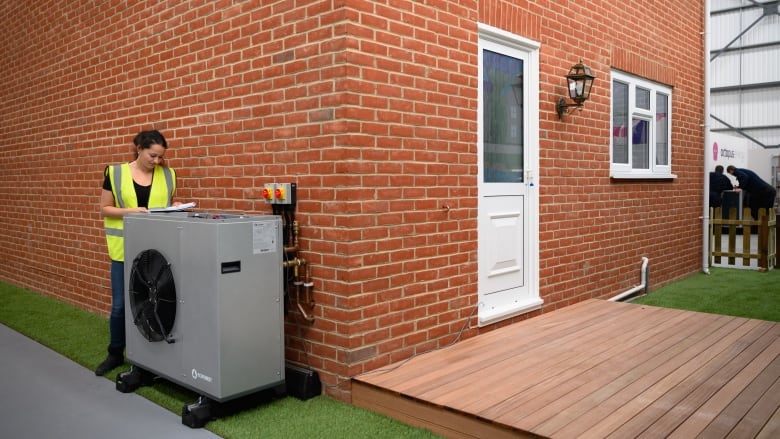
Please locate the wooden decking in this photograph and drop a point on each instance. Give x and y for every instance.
(593, 370)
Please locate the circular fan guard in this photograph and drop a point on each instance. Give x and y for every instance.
(152, 294)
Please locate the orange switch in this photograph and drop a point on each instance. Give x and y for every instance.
(279, 193)
(268, 193)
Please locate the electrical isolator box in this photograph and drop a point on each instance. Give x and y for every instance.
(280, 193)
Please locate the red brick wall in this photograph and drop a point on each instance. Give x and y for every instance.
(370, 107)
(594, 230)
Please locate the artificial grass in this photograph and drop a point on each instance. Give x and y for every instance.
(734, 292)
(82, 337)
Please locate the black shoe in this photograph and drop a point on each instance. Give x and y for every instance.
(110, 363)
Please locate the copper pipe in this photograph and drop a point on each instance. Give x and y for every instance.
(294, 231)
(295, 262)
(298, 282)
(300, 273)
(308, 285)
(304, 313)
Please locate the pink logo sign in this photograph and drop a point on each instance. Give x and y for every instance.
(715, 151)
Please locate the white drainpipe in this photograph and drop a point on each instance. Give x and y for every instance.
(636, 289)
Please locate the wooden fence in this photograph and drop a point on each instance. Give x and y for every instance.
(737, 234)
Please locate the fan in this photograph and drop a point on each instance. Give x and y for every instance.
(152, 294)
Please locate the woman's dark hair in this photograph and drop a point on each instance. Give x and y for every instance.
(145, 139)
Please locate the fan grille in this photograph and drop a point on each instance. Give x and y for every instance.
(152, 294)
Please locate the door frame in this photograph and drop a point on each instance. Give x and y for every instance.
(533, 301)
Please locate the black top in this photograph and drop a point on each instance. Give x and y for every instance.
(751, 182)
(141, 192)
(719, 183)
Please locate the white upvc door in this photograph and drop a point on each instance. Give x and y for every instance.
(508, 164)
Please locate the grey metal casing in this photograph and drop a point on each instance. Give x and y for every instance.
(228, 331)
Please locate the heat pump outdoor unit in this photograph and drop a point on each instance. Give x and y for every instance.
(203, 301)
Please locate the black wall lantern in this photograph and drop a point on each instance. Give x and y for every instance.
(580, 80)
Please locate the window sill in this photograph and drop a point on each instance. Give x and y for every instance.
(641, 176)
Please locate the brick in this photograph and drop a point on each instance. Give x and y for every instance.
(372, 108)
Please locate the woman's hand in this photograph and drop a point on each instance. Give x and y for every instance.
(108, 209)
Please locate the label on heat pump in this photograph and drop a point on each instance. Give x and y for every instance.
(263, 237)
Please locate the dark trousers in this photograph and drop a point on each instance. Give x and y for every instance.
(762, 199)
(116, 321)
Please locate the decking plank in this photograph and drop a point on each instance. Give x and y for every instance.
(737, 409)
(771, 429)
(615, 395)
(545, 398)
(444, 422)
(429, 373)
(596, 369)
(645, 391)
(683, 381)
(698, 421)
(471, 354)
(542, 364)
(699, 389)
(664, 351)
(761, 412)
(608, 411)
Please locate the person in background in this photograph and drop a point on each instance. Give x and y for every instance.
(762, 194)
(718, 183)
(130, 187)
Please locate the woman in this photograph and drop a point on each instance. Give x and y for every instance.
(130, 188)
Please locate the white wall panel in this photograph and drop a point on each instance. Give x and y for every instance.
(761, 65)
(751, 66)
(726, 106)
(761, 107)
(719, 5)
(725, 70)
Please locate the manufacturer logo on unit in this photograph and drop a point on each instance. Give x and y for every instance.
(200, 376)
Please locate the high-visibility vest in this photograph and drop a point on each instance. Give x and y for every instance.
(163, 188)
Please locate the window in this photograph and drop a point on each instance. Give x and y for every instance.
(641, 136)
(502, 117)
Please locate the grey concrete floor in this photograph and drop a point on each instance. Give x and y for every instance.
(45, 395)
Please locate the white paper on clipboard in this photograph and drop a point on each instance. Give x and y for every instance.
(178, 208)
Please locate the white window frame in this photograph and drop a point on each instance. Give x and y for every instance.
(626, 170)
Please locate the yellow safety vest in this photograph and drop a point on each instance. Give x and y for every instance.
(163, 188)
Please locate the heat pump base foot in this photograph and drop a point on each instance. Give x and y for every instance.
(197, 414)
(128, 382)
